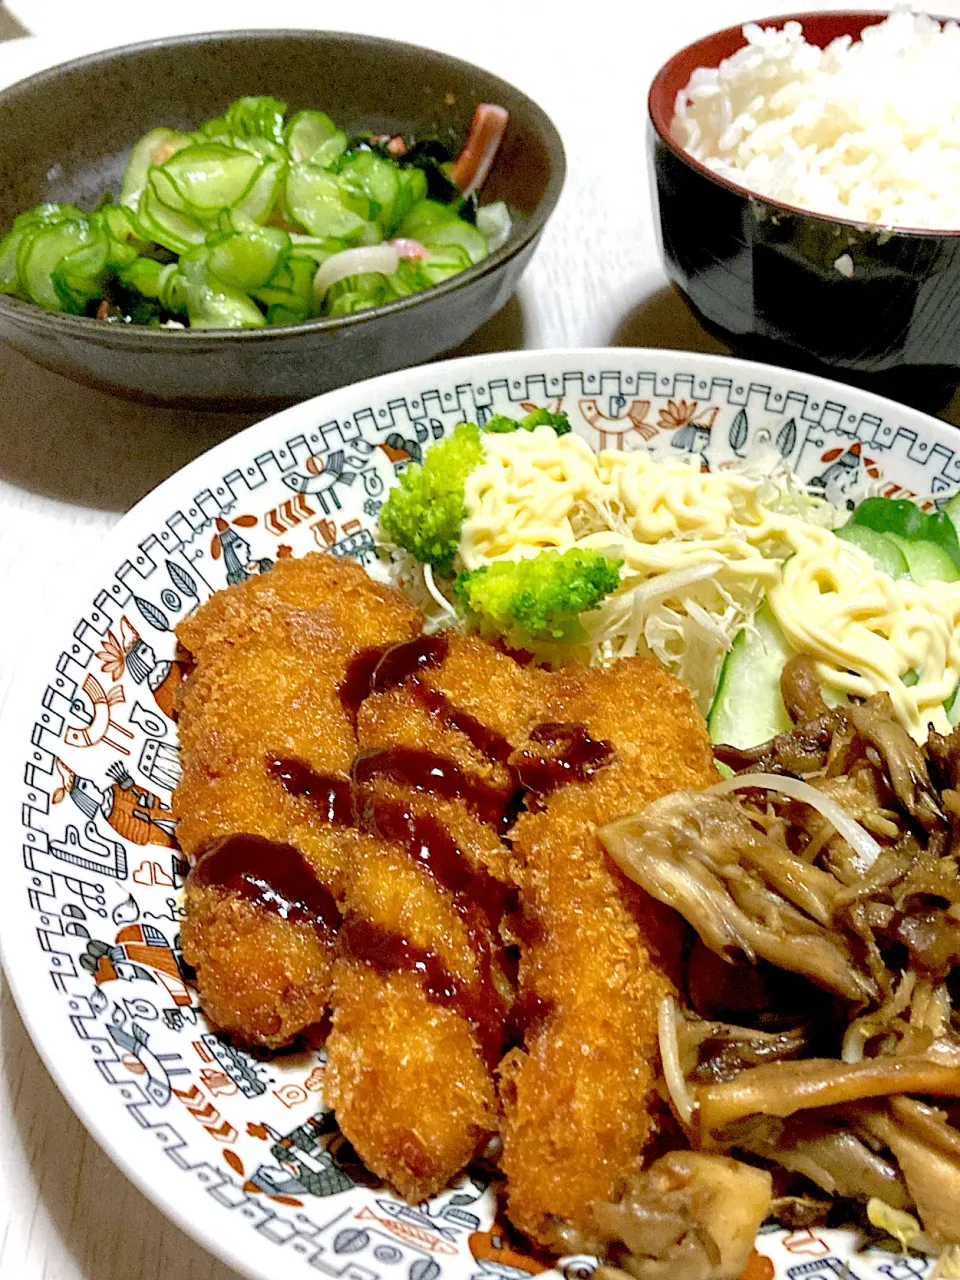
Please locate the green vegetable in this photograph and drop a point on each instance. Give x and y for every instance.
(424, 514)
(246, 260)
(309, 136)
(748, 707)
(252, 117)
(537, 601)
(493, 223)
(368, 177)
(251, 204)
(500, 423)
(885, 553)
(315, 199)
(904, 518)
(212, 304)
(926, 561)
(951, 509)
(156, 143)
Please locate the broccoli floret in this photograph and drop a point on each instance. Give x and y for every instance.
(538, 601)
(425, 512)
(499, 424)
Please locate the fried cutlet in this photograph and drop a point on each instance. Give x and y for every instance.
(268, 657)
(411, 1078)
(577, 1096)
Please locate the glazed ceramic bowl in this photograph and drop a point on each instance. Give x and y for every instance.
(762, 275)
(236, 1149)
(66, 134)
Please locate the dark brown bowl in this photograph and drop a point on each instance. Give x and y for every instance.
(761, 276)
(65, 137)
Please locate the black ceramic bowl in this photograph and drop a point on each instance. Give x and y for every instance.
(761, 275)
(65, 137)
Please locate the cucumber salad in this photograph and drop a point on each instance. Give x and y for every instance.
(255, 219)
(521, 530)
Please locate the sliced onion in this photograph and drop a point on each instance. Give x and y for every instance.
(676, 1083)
(407, 248)
(859, 840)
(353, 262)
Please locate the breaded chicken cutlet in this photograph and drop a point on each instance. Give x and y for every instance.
(410, 1074)
(577, 1096)
(268, 657)
(368, 775)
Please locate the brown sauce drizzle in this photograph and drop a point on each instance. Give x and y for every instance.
(386, 952)
(569, 755)
(487, 741)
(401, 661)
(432, 847)
(578, 757)
(355, 685)
(273, 876)
(435, 774)
(374, 670)
(528, 1016)
(477, 897)
(330, 795)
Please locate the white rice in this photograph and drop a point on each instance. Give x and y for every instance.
(866, 130)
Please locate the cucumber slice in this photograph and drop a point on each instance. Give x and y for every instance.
(951, 509)
(248, 261)
(264, 191)
(165, 226)
(926, 562)
(952, 706)
(315, 199)
(374, 179)
(885, 553)
(459, 233)
(424, 217)
(46, 250)
(747, 707)
(153, 148)
(208, 178)
(306, 133)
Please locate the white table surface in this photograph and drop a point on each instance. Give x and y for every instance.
(72, 460)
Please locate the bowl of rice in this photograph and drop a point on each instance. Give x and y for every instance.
(807, 172)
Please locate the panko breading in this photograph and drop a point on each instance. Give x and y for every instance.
(269, 655)
(409, 1079)
(402, 818)
(576, 1098)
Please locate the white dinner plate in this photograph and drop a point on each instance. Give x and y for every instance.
(235, 1149)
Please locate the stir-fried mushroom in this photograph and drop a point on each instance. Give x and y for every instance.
(690, 1216)
(799, 751)
(932, 1175)
(902, 759)
(743, 894)
(716, 1051)
(800, 690)
(830, 1155)
(783, 1088)
(834, 855)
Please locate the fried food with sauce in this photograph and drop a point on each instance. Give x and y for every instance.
(594, 953)
(268, 656)
(408, 1077)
